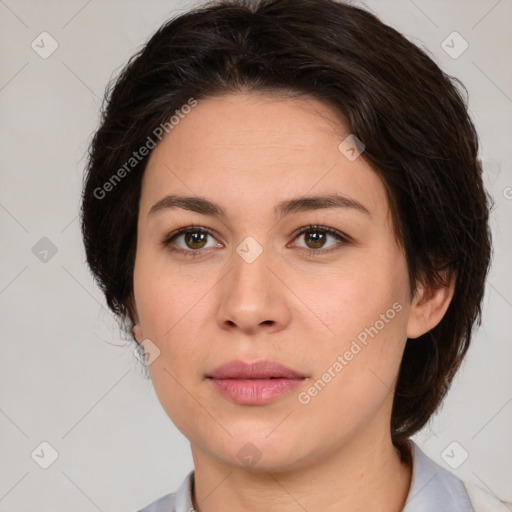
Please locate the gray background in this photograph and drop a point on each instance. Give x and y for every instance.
(66, 375)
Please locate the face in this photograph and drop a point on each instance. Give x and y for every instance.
(316, 286)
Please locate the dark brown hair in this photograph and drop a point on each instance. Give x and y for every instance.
(409, 114)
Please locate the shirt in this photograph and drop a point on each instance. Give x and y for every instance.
(433, 489)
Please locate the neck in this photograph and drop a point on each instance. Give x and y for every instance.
(362, 475)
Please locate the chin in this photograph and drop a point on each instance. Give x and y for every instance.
(264, 454)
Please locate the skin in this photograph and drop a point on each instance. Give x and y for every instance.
(248, 152)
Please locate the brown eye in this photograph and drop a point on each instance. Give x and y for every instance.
(316, 237)
(195, 239)
(189, 240)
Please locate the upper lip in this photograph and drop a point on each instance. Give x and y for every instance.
(264, 369)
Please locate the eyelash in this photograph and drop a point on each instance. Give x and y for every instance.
(343, 239)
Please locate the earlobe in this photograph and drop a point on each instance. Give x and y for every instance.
(429, 305)
(137, 332)
(134, 317)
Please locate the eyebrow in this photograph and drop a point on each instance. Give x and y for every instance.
(300, 204)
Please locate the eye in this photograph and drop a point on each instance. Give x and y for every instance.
(189, 240)
(315, 238)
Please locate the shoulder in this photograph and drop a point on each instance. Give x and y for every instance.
(483, 501)
(435, 488)
(163, 504)
(179, 501)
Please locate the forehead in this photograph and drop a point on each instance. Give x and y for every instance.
(257, 148)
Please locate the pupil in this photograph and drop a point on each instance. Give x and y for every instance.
(195, 237)
(317, 238)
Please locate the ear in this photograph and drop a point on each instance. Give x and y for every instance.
(137, 332)
(429, 304)
(134, 317)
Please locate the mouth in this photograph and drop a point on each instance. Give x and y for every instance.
(256, 383)
(264, 369)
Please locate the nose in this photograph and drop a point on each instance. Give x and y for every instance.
(252, 296)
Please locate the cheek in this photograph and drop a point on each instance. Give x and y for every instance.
(171, 305)
(353, 297)
(355, 380)
(366, 309)
(172, 392)
(165, 294)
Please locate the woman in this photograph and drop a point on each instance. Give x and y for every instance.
(285, 207)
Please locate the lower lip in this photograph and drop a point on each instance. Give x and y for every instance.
(255, 391)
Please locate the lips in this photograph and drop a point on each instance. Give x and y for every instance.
(258, 370)
(257, 383)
